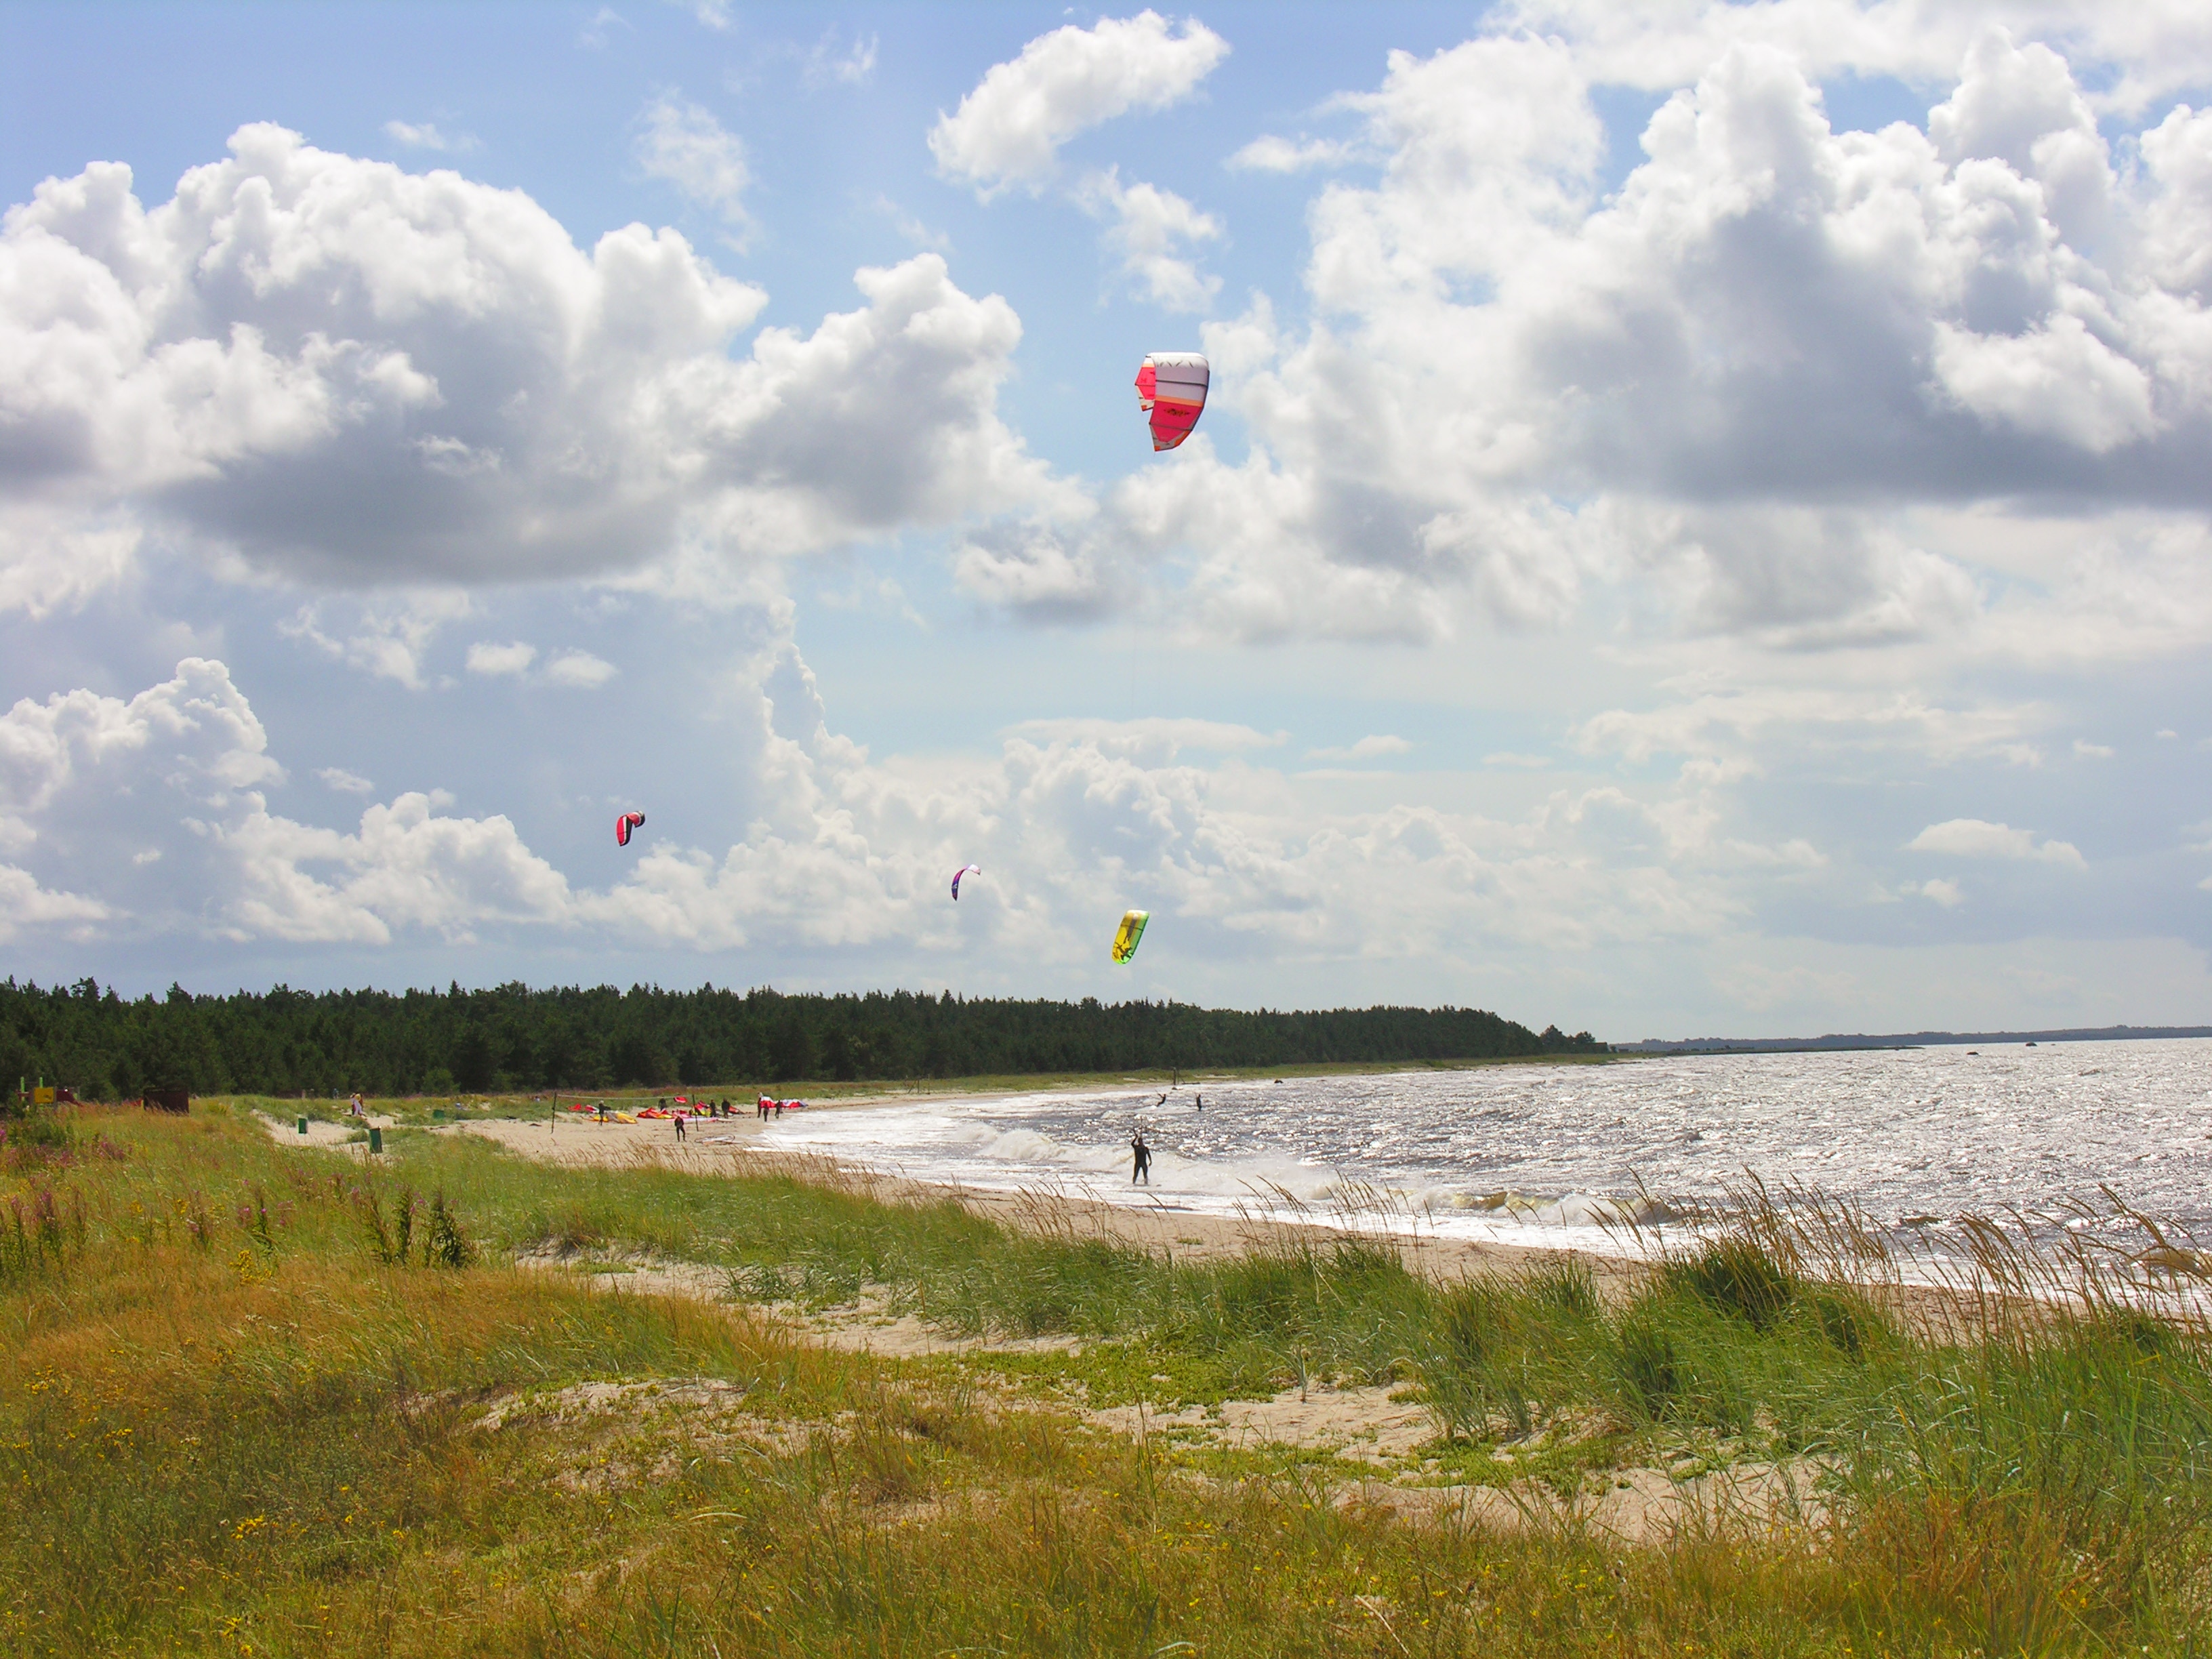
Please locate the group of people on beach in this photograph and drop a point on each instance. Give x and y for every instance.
(764, 1108)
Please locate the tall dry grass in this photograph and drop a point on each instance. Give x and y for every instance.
(232, 1421)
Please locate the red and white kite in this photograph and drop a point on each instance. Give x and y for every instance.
(1172, 385)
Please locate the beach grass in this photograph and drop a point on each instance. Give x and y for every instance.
(247, 1408)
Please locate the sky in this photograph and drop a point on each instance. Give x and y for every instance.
(1700, 527)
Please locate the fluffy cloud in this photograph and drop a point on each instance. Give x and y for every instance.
(577, 669)
(685, 145)
(1075, 820)
(854, 66)
(379, 637)
(1976, 838)
(333, 369)
(425, 135)
(1147, 229)
(1947, 894)
(1715, 720)
(512, 660)
(27, 908)
(158, 805)
(1269, 154)
(1723, 384)
(1367, 748)
(580, 670)
(2148, 50)
(1009, 129)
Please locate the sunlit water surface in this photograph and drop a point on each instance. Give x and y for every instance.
(1914, 1138)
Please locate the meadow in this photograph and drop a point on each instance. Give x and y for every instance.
(266, 1399)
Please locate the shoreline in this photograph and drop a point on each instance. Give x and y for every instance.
(824, 1095)
(734, 1147)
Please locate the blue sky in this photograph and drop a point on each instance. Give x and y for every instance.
(1700, 525)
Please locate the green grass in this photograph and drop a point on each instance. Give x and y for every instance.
(237, 1417)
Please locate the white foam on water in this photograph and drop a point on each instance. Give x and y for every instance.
(1564, 1156)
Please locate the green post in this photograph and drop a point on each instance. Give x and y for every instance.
(375, 1139)
(303, 1126)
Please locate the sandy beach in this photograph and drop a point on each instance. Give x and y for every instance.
(735, 1146)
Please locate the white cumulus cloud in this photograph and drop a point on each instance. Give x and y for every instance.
(1150, 230)
(1948, 894)
(1270, 153)
(328, 368)
(1726, 385)
(512, 660)
(390, 640)
(1076, 819)
(852, 66)
(684, 144)
(580, 670)
(190, 759)
(1977, 838)
(1009, 129)
(426, 135)
(1367, 748)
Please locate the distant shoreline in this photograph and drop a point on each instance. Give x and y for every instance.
(1856, 1041)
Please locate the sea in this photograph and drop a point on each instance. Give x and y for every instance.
(1600, 1157)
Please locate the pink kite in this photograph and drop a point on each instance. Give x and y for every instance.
(1172, 385)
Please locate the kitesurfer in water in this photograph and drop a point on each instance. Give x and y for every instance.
(1143, 1155)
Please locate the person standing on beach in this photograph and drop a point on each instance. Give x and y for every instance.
(679, 1128)
(1143, 1156)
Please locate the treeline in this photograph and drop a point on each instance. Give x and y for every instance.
(299, 1042)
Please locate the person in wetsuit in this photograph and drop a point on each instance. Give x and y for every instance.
(1142, 1155)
